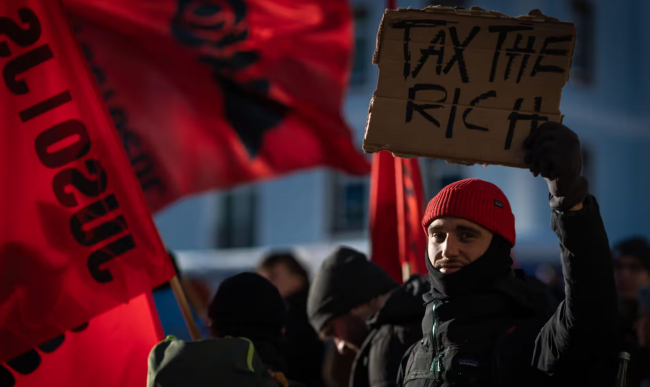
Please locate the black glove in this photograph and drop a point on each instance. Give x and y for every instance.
(553, 151)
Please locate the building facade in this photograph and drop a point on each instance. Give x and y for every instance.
(604, 102)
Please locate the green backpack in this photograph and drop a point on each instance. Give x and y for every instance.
(207, 363)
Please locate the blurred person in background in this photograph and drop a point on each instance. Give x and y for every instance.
(356, 303)
(632, 273)
(247, 320)
(642, 327)
(303, 349)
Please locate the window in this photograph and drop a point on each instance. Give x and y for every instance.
(437, 174)
(350, 203)
(362, 49)
(448, 3)
(236, 227)
(583, 55)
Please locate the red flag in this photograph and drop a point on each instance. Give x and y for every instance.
(396, 210)
(111, 350)
(410, 210)
(213, 93)
(385, 250)
(76, 238)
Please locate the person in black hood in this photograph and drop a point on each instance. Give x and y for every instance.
(303, 349)
(484, 324)
(631, 273)
(356, 303)
(247, 320)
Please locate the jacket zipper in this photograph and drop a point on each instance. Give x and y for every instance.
(435, 364)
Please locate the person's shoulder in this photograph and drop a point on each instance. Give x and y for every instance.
(405, 332)
(389, 339)
(417, 285)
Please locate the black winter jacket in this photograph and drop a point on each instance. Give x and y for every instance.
(303, 349)
(392, 331)
(514, 342)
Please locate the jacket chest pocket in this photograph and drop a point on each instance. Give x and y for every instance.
(419, 372)
(467, 367)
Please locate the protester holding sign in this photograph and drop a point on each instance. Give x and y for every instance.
(483, 324)
(466, 85)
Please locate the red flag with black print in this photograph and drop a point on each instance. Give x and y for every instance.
(110, 350)
(208, 94)
(76, 236)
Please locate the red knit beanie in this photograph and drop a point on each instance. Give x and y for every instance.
(477, 201)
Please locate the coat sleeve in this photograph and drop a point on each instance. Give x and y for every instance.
(385, 359)
(580, 335)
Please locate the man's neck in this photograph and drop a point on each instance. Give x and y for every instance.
(374, 306)
(381, 301)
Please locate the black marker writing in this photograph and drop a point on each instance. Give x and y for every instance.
(515, 116)
(412, 106)
(422, 108)
(406, 25)
(459, 49)
(475, 101)
(432, 51)
(503, 32)
(539, 67)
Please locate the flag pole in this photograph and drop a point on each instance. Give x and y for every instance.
(185, 308)
(406, 269)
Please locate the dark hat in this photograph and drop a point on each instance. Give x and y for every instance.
(634, 247)
(248, 305)
(345, 280)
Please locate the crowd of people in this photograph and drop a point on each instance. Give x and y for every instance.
(472, 321)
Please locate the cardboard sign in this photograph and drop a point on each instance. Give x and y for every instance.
(466, 86)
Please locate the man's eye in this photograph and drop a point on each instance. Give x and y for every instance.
(467, 236)
(439, 237)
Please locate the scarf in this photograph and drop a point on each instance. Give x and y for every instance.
(477, 277)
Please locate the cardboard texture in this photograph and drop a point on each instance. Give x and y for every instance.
(466, 86)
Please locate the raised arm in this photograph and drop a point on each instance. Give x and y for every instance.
(580, 335)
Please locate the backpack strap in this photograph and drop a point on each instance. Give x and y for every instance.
(411, 358)
(251, 352)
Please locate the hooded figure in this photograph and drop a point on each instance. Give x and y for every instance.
(356, 303)
(248, 316)
(304, 351)
(632, 275)
(484, 324)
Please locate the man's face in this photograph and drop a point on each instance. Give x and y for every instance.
(283, 279)
(630, 276)
(348, 332)
(455, 243)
